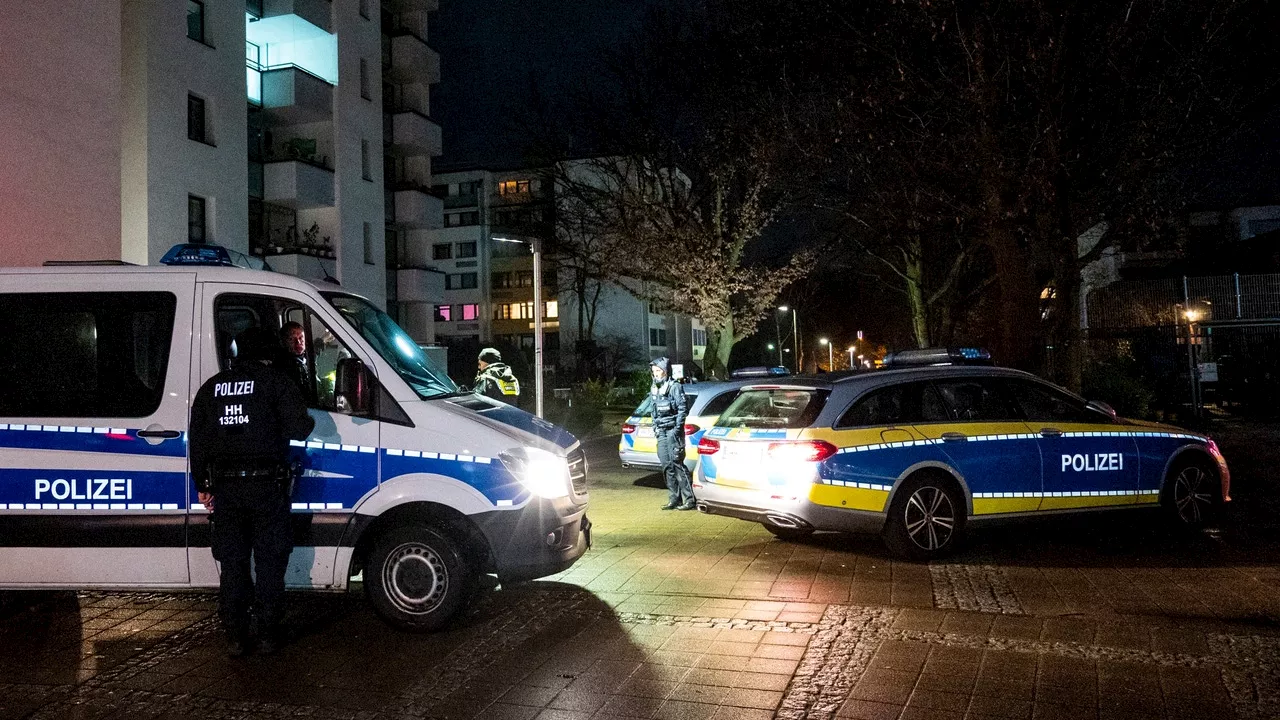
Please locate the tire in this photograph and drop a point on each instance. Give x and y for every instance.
(788, 533)
(926, 519)
(1192, 494)
(417, 579)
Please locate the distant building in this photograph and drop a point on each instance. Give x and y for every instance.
(295, 131)
(484, 251)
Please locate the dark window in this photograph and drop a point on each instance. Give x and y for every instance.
(460, 281)
(658, 337)
(719, 403)
(196, 221)
(100, 355)
(1041, 403)
(501, 280)
(442, 251)
(366, 91)
(466, 250)
(195, 20)
(366, 169)
(977, 399)
(364, 9)
(195, 119)
(903, 404)
(368, 244)
(468, 281)
(781, 408)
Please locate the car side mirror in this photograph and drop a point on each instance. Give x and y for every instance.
(1105, 409)
(353, 388)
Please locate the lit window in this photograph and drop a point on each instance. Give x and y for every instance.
(552, 309)
(513, 187)
(470, 312)
(443, 313)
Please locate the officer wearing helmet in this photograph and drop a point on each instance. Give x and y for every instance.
(242, 420)
(495, 378)
(668, 408)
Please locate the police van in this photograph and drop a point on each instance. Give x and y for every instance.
(405, 479)
(937, 442)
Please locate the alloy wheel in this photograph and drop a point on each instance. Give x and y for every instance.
(1192, 496)
(929, 518)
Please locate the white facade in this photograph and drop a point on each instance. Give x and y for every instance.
(257, 126)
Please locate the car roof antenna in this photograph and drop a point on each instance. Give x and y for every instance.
(327, 276)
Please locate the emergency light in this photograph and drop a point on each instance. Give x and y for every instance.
(197, 254)
(939, 356)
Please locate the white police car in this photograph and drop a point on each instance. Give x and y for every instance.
(919, 453)
(420, 487)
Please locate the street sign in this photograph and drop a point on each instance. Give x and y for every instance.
(677, 371)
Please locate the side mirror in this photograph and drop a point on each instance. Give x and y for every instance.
(1103, 408)
(353, 388)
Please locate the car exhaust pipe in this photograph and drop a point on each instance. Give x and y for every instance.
(782, 521)
(702, 508)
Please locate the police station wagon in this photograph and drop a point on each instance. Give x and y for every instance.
(405, 479)
(918, 453)
(638, 445)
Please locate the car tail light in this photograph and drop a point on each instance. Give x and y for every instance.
(707, 446)
(802, 451)
(690, 429)
(628, 428)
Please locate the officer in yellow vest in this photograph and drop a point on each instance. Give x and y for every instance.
(495, 378)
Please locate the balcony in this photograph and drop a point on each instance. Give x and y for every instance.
(298, 184)
(468, 200)
(412, 60)
(416, 208)
(413, 133)
(316, 12)
(294, 96)
(420, 285)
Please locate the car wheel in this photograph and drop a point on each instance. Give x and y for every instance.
(926, 519)
(417, 578)
(783, 533)
(1191, 494)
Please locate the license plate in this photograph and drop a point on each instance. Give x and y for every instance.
(738, 464)
(644, 431)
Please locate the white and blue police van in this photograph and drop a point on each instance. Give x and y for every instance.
(407, 482)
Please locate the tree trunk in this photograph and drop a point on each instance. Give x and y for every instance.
(715, 361)
(915, 300)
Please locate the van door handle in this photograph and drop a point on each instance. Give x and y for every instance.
(954, 437)
(161, 434)
(1050, 432)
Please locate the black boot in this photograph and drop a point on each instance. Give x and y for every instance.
(237, 641)
(270, 640)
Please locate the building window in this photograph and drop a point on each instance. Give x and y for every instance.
(551, 309)
(443, 313)
(525, 279)
(196, 128)
(513, 187)
(196, 221)
(368, 244)
(501, 280)
(442, 251)
(460, 281)
(195, 20)
(466, 250)
(366, 170)
(365, 91)
(658, 337)
(502, 312)
(364, 9)
(470, 312)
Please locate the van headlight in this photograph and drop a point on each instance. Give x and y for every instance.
(543, 473)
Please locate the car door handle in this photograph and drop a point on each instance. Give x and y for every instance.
(1050, 432)
(161, 434)
(954, 437)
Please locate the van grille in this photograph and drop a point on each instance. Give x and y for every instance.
(578, 471)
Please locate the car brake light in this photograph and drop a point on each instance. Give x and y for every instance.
(690, 429)
(707, 446)
(628, 428)
(802, 451)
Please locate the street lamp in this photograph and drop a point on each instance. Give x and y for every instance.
(535, 246)
(795, 333)
(852, 348)
(830, 360)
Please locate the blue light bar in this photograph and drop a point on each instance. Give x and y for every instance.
(197, 254)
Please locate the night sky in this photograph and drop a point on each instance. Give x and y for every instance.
(492, 52)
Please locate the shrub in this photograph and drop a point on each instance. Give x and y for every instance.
(1120, 383)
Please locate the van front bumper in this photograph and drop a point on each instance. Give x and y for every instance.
(542, 538)
(754, 506)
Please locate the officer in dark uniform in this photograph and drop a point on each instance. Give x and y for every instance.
(241, 423)
(293, 360)
(668, 408)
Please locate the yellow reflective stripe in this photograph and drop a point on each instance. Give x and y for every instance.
(848, 498)
(993, 506)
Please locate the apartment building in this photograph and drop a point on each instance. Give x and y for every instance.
(484, 249)
(297, 131)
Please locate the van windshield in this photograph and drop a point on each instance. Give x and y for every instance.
(394, 345)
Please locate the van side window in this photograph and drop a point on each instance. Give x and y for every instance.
(314, 370)
(92, 354)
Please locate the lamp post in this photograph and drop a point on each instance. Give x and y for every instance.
(830, 357)
(777, 331)
(535, 246)
(852, 348)
(795, 334)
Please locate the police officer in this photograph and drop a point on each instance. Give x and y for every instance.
(495, 378)
(241, 423)
(668, 409)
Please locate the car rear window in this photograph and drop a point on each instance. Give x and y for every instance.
(775, 408)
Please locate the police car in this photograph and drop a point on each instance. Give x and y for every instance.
(638, 446)
(418, 486)
(919, 452)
